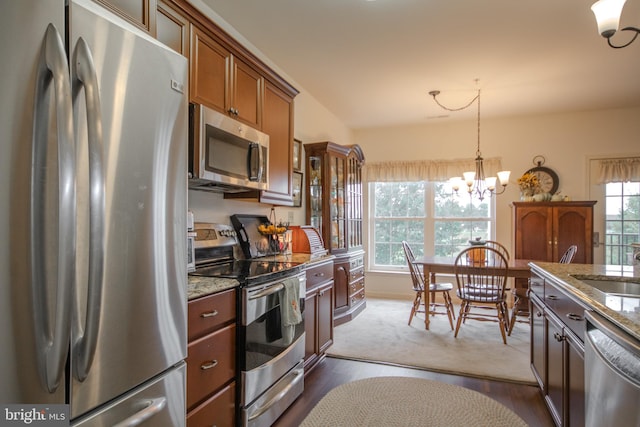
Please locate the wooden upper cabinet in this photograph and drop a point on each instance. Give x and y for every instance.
(141, 13)
(209, 69)
(278, 124)
(224, 82)
(544, 231)
(172, 28)
(246, 94)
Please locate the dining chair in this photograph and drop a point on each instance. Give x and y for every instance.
(418, 280)
(499, 247)
(569, 254)
(481, 287)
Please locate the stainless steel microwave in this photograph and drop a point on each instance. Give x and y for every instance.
(226, 155)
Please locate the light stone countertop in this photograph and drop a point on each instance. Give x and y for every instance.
(198, 286)
(622, 311)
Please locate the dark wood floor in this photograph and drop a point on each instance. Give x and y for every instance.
(524, 400)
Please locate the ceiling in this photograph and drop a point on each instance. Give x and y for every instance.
(372, 63)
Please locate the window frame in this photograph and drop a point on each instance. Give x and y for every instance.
(429, 221)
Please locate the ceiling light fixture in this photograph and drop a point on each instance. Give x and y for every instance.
(607, 14)
(477, 184)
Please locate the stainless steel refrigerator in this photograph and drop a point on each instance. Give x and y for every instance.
(93, 206)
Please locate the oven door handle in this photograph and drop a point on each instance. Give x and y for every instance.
(266, 292)
(298, 375)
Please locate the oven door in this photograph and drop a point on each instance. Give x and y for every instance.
(269, 347)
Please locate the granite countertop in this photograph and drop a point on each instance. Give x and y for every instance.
(198, 286)
(622, 311)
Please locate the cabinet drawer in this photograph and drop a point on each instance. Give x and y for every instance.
(210, 363)
(355, 287)
(218, 411)
(357, 274)
(317, 274)
(536, 286)
(357, 262)
(208, 313)
(357, 297)
(567, 310)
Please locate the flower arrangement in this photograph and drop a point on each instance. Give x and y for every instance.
(529, 183)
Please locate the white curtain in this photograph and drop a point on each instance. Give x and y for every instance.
(425, 170)
(619, 170)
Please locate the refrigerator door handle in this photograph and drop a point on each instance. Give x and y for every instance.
(151, 408)
(86, 336)
(52, 341)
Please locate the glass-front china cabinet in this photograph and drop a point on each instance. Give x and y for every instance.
(334, 207)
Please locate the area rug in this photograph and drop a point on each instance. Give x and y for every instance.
(405, 402)
(381, 334)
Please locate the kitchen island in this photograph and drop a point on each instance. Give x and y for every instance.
(624, 312)
(565, 301)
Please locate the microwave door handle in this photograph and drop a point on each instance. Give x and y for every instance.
(255, 173)
(52, 341)
(86, 336)
(260, 163)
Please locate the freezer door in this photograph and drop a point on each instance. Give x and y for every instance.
(23, 25)
(158, 403)
(130, 304)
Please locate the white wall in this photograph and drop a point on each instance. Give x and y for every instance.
(567, 141)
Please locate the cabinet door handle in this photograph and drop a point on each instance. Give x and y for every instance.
(209, 314)
(575, 317)
(552, 297)
(319, 274)
(558, 337)
(209, 365)
(538, 314)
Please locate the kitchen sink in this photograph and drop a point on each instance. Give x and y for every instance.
(612, 286)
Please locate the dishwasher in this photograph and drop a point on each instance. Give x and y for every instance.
(612, 374)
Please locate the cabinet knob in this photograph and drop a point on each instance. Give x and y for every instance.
(209, 365)
(558, 337)
(538, 314)
(209, 314)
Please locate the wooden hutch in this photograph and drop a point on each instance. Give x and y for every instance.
(334, 206)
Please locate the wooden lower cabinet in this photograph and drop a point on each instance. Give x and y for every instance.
(557, 352)
(211, 360)
(318, 312)
(349, 286)
(216, 411)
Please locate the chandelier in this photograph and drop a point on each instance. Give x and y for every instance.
(477, 183)
(607, 14)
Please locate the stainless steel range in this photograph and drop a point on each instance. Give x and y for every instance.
(271, 338)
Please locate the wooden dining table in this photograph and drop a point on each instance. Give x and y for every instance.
(432, 265)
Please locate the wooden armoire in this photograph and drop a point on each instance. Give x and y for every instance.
(544, 230)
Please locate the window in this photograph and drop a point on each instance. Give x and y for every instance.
(428, 216)
(622, 223)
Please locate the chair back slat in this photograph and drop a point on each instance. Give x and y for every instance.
(569, 254)
(499, 247)
(416, 273)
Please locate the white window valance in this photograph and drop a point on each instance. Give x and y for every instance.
(619, 170)
(425, 170)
